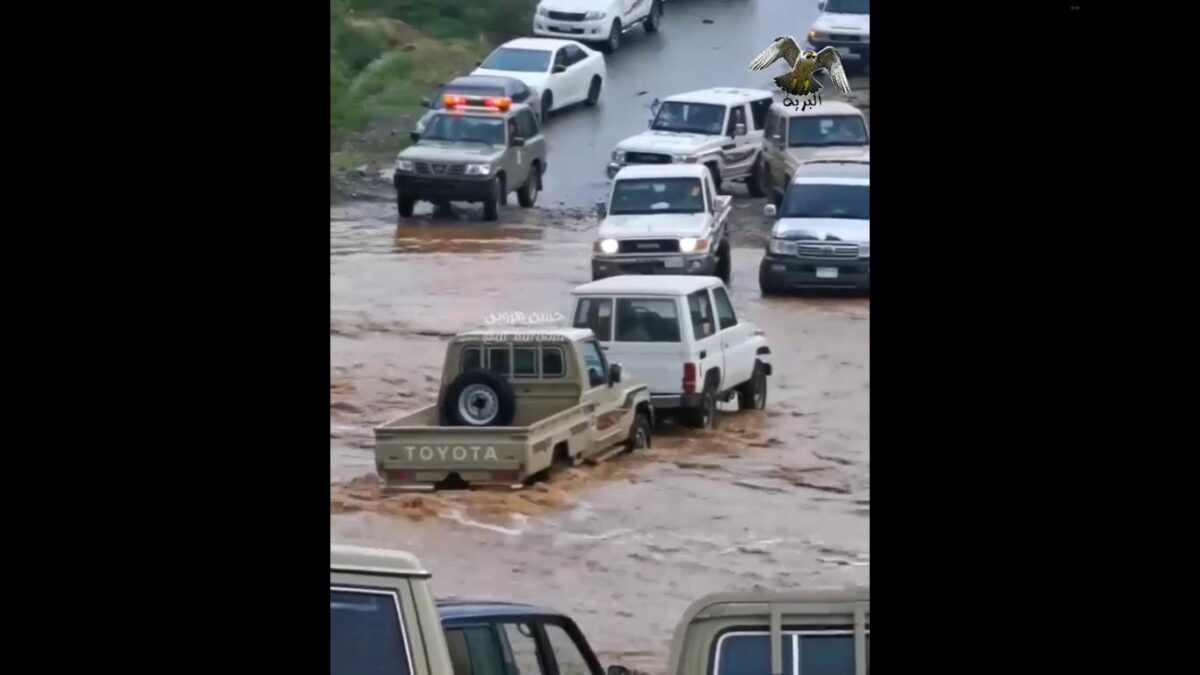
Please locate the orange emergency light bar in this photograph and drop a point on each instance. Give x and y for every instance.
(453, 101)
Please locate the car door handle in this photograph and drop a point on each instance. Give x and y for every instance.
(703, 355)
(731, 146)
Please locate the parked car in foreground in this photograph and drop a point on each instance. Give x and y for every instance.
(788, 632)
(823, 235)
(382, 616)
(846, 26)
(721, 128)
(477, 150)
(481, 86)
(511, 405)
(832, 130)
(681, 335)
(564, 72)
(494, 638)
(663, 219)
(597, 21)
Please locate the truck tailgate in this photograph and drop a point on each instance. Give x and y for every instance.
(409, 450)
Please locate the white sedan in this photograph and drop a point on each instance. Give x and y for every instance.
(565, 72)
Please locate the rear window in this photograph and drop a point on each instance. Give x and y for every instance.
(749, 653)
(366, 635)
(553, 364)
(647, 320)
(595, 314)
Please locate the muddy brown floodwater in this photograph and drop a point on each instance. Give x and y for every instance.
(778, 499)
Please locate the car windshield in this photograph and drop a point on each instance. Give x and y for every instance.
(848, 6)
(465, 129)
(632, 196)
(438, 103)
(518, 60)
(815, 200)
(696, 118)
(823, 131)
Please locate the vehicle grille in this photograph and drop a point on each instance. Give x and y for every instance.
(827, 250)
(567, 16)
(648, 246)
(426, 169)
(842, 37)
(646, 158)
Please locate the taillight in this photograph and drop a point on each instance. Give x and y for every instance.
(689, 378)
(505, 476)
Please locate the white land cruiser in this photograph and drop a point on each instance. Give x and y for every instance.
(597, 21)
(721, 128)
(663, 220)
(681, 336)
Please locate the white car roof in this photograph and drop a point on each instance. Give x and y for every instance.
(830, 180)
(545, 44)
(720, 95)
(372, 560)
(823, 109)
(646, 284)
(661, 171)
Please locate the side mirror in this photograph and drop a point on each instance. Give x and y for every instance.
(602, 209)
(769, 210)
(478, 63)
(821, 5)
(559, 68)
(414, 136)
(618, 670)
(518, 142)
(614, 373)
(426, 102)
(650, 123)
(777, 139)
(739, 130)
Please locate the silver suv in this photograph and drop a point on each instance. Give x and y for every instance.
(478, 149)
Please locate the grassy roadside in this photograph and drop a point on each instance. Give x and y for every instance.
(387, 54)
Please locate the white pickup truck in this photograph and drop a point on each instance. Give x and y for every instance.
(721, 128)
(663, 220)
(681, 336)
(596, 21)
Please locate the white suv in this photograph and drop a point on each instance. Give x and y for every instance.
(681, 336)
(845, 25)
(598, 21)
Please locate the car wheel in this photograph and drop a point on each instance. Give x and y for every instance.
(704, 416)
(405, 205)
(639, 434)
(724, 262)
(752, 395)
(594, 90)
(547, 104)
(528, 193)
(765, 283)
(478, 398)
(614, 37)
(754, 184)
(652, 21)
(491, 205)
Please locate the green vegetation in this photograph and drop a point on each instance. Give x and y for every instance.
(385, 55)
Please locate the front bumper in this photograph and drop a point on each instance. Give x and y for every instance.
(704, 264)
(796, 272)
(458, 188)
(850, 51)
(579, 30)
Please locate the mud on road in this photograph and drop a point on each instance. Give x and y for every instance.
(775, 499)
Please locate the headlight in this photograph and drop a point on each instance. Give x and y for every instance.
(404, 165)
(478, 169)
(814, 35)
(781, 247)
(606, 246)
(690, 245)
(618, 156)
(685, 159)
(864, 250)
(542, 11)
(592, 16)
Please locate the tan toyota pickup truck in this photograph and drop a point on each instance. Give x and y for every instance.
(511, 405)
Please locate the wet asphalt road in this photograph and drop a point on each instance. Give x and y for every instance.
(779, 499)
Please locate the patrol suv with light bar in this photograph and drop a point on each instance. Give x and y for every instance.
(721, 128)
(476, 149)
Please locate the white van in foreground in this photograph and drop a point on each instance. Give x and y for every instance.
(680, 335)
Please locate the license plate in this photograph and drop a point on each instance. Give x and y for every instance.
(827, 272)
(846, 50)
(673, 263)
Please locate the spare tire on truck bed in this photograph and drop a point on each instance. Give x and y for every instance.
(478, 398)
